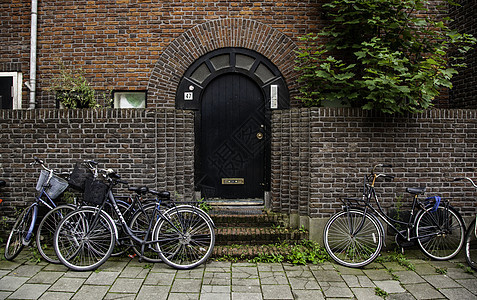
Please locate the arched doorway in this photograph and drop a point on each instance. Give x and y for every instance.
(232, 91)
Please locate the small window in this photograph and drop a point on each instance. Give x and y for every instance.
(129, 100)
(10, 90)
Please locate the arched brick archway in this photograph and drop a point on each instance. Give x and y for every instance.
(212, 35)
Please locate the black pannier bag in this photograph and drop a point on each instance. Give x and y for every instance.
(79, 176)
(95, 191)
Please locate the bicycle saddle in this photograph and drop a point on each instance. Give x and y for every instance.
(140, 190)
(416, 191)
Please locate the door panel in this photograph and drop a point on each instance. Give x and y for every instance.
(232, 138)
(6, 97)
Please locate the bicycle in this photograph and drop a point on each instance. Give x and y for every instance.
(49, 186)
(183, 236)
(470, 245)
(354, 237)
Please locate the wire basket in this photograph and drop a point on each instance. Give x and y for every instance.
(79, 176)
(56, 186)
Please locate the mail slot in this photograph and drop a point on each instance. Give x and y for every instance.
(233, 181)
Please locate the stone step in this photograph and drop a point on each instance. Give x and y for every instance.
(259, 220)
(257, 235)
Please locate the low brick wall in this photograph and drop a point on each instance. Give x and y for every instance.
(153, 147)
(321, 154)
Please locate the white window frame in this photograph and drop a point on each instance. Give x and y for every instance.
(17, 87)
(117, 94)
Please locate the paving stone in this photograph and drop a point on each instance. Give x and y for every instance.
(349, 271)
(245, 281)
(273, 278)
(190, 274)
(122, 296)
(102, 278)
(186, 286)
(29, 291)
(303, 283)
(215, 296)
(217, 278)
(10, 283)
(361, 281)
(66, 284)
(4, 295)
(3, 273)
(406, 277)
(55, 267)
(26, 271)
(244, 272)
(159, 279)
(458, 273)
(246, 296)
(114, 265)
(56, 296)
(457, 293)
(216, 289)
(470, 284)
(272, 267)
(335, 289)
(400, 296)
(75, 274)
(46, 277)
(300, 274)
(183, 296)
(247, 289)
(327, 275)
(365, 294)
(441, 281)
(91, 292)
(308, 294)
(423, 291)
(390, 286)
(134, 272)
(126, 285)
(276, 292)
(381, 274)
(153, 292)
(9, 265)
(425, 269)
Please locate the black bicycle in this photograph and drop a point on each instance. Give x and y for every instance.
(183, 236)
(470, 245)
(354, 237)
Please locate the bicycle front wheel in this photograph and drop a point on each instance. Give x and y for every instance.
(46, 231)
(141, 224)
(84, 239)
(21, 232)
(440, 234)
(352, 238)
(471, 245)
(185, 237)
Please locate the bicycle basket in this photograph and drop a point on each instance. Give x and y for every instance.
(56, 186)
(95, 191)
(78, 177)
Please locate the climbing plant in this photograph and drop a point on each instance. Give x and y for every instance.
(393, 56)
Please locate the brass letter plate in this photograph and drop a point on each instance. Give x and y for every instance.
(233, 181)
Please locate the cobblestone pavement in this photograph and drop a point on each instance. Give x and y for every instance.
(127, 278)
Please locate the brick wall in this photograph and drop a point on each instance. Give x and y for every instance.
(464, 93)
(147, 147)
(320, 155)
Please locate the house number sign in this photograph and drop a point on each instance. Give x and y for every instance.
(274, 96)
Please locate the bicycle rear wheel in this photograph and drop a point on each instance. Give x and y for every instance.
(46, 231)
(352, 238)
(139, 224)
(84, 239)
(21, 232)
(440, 234)
(186, 237)
(471, 245)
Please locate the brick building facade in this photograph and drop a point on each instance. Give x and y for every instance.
(185, 56)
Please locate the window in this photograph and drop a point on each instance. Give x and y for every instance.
(129, 100)
(10, 90)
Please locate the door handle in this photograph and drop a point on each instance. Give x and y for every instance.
(259, 135)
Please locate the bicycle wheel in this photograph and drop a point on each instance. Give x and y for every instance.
(139, 224)
(46, 231)
(471, 245)
(21, 233)
(440, 234)
(185, 237)
(123, 242)
(352, 238)
(84, 239)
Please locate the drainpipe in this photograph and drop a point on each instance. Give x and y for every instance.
(33, 36)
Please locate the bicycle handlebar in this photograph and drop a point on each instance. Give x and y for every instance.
(466, 178)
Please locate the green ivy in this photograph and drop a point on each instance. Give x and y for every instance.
(392, 56)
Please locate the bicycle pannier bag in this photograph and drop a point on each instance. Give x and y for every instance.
(95, 191)
(79, 176)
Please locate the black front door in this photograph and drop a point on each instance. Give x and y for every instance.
(233, 139)
(6, 97)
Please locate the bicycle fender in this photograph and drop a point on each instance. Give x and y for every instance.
(26, 240)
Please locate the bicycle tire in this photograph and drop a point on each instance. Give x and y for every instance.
(185, 238)
(139, 225)
(353, 250)
(82, 242)
(471, 246)
(20, 235)
(46, 231)
(435, 243)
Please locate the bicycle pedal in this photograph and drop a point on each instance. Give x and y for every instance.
(132, 255)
